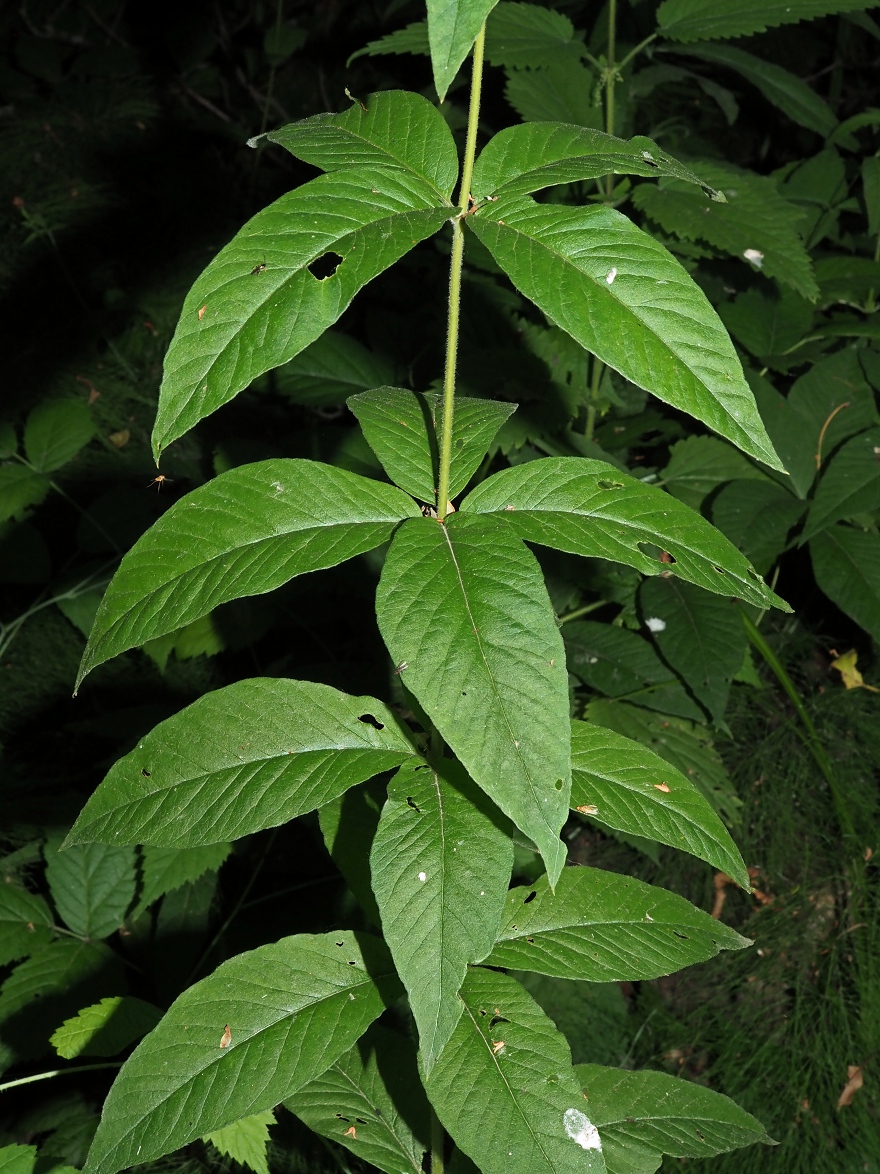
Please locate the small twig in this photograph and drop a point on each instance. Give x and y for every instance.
(57, 1072)
(818, 457)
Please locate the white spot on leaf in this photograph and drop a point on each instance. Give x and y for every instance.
(581, 1130)
(654, 624)
(610, 276)
(754, 257)
(423, 876)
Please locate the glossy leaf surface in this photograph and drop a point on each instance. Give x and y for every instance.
(453, 26)
(244, 533)
(846, 563)
(247, 757)
(92, 886)
(693, 20)
(464, 608)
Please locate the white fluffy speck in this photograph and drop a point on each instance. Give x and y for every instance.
(610, 276)
(423, 876)
(581, 1130)
(754, 257)
(654, 624)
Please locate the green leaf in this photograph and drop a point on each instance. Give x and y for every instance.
(871, 192)
(411, 39)
(20, 487)
(464, 607)
(650, 1111)
(8, 440)
(92, 886)
(17, 1159)
(621, 295)
(757, 516)
(589, 508)
(292, 1009)
(404, 430)
(527, 36)
(258, 303)
(504, 1086)
(848, 279)
(348, 825)
(250, 756)
(562, 92)
(693, 20)
(768, 326)
(756, 224)
(523, 159)
(453, 26)
(601, 927)
(331, 369)
(699, 464)
(105, 1028)
(441, 864)
(167, 869)
(785, 90)
(372, 1102)
(245, 1141)
(246, 532)
(850, 484)
(25, 923)
(634, 791)
(846, 563)
(700, 635)
(55, 432)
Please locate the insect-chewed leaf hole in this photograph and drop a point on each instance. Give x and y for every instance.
(683, 936)
(369, 720)
(530, 897)
(145, 772)
(654, 552)
(410, 802)
(324, 266)
(611, 484)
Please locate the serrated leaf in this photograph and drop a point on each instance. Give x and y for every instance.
(639, 1111)
(527, 36)
(250, 756)
(404, 429)
(524, 159)
(258, 304)
(372, 1102)
(846, 563)
(562, 92)
(694, 20)
(756, 223)
(25, 923)
(601, 927)
(453, 26)
(331, 369)
(621, 295)
(411, 39)
(245, 1141)
(20, 487)
(105, 1028)
(292, 1009)
(847, 279)
(589, 508)
(634, 791)
(55, 432)
(464, 607)
(17, 1159)
(850, 484)
(441, 863)
(244, 533)
(757, 516)
(92, 886)
(768, 326)
(167, 869)
(504, 1086)
(699, 464)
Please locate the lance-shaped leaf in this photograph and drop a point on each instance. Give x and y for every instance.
(645, 1114)
(283, 279)
(587, 507)
(238, 1042)
(850, 484)
(504, 1087)
(453, 26)
(404, 430)
(697, 20)
(621, 295)
(846, 563)
(601, 927)
(441, 864)
(392, 129)
(244, 533)
(247, 757)
(632, 789)
(372, 1102)
(464, 610)
(523, 159)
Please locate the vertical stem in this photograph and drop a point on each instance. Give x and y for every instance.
(455, 279)
(596, 379)
(609, 81)
(438, 1137)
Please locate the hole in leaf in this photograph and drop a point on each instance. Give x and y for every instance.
(360, 1120)
(497, 1019)
(531, 941)
(683, 936)
(611, 484)
(701, 1136)
(755, 575)
(464, 692)
(654, 552)
(325, 266)
(341, 1118)
(410, 802)
(369, 720)
(145, 772)
(482, 1012)
(530, 897)
(352, 962)
(340, 943)
(720, 570)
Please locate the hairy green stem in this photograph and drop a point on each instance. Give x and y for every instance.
(455, 266)
(57, 1072)
(582, 611)
(438, 1137)
(609, 82)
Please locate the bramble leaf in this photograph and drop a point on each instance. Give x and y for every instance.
(92, 886)
(55, 432)
(245, 1141)
(25, 923)
(693, 20)
(105, 1028)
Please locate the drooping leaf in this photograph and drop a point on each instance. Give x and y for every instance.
(245, 1141)
(247, 757)
(621, 295)
(372, 1102)
(757, 516)
(850, 483)
(259, 303)
(167, 869)
(105, 1028)
(634, 791)
(331, 369)
(650, 1111)
(404, 429)
(291, 1010)
(601, 927)
(524, 159)
(589, 508)
(846, 563)
(244, 533)
(92, 886)
(695, 20)
(562, 92)
(25, 923)
(698, 464)
(55, 432)
(756, 223)
(504, 1087)
(441, 864)
(453, 26)
(20, 487)
(464, 608)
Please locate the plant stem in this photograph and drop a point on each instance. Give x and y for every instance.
(582, 611)
(609, 82)
(438, 1137)
(455, 266)
(595, 380)
(57, 1072)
